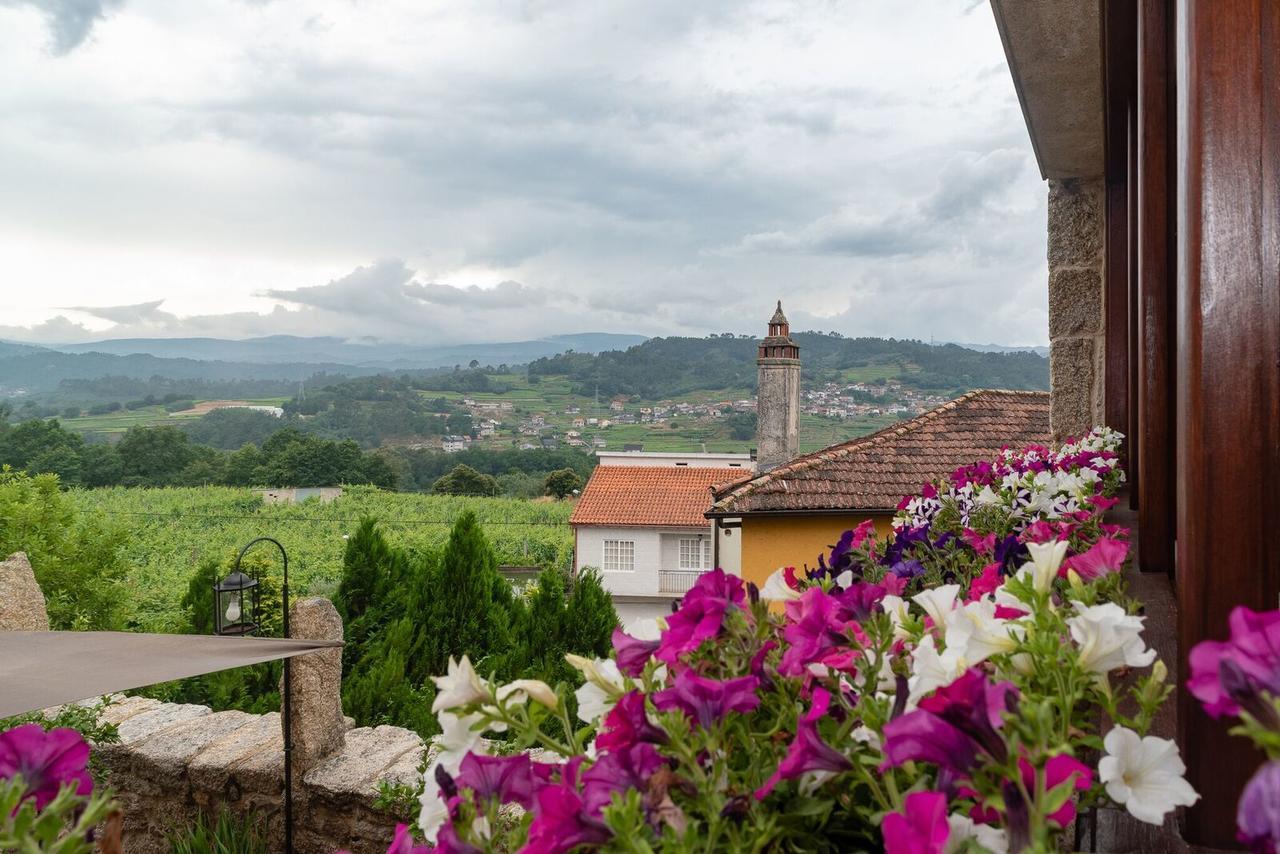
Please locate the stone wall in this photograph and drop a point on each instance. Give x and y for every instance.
(1077, 332)
(174, 761)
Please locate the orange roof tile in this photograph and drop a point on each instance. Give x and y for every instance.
(650, 496)
(874, 472)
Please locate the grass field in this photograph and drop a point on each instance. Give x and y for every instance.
(171, 531)
(147, 416)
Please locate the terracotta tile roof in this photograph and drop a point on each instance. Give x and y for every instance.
(650, 496)
(874, 472)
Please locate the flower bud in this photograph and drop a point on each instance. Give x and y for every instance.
(1159, 672)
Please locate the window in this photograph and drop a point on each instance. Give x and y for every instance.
(619, 556)
(695, 552)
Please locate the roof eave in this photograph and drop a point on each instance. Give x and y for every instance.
(1054, 52)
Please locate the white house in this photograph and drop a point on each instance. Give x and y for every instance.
(453, 444)
(641, 522)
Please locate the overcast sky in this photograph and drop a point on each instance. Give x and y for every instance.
(499, 170)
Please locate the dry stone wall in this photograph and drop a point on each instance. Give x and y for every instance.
(174, 761)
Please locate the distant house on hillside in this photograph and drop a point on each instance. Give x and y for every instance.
(453, 444)
(641, 522)
(298, 494)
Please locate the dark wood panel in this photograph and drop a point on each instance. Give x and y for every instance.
(1154, 309)
(1119, 38)
(1228, 362)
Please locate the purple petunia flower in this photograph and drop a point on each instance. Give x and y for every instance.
(922, 736)
(45, 760)
(700, 615)
(1254, 646)
(816, 625)
(808, 753)
(1258, 812)
(975, 706)
(862, 599)
(561, 823)
(632, 654)
(627, 724)
(618, 771)
(708, 700)
(921, 827)
(507, 778)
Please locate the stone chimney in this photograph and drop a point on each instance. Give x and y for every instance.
(777, 395)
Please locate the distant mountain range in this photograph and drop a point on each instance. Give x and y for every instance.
(1001, 348)
(280, 349)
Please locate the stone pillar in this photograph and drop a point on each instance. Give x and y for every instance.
(21, 602)
(316, 705)
(1077, 333)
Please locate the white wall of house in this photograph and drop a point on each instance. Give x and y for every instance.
(730, 548)
(655, 555)
(693, 460)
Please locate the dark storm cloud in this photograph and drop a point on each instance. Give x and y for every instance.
(69, 21)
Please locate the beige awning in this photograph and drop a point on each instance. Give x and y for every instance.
(43, 669)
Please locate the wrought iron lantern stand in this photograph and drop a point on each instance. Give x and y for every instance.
(234, 614)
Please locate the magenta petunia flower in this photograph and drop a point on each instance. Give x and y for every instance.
(402, 843)
(560, 823)
(808, 753)
(507, 778)
(1103, 558)
(816, 626)
(632, 654)
(986, 583)
(45, 760)
(1039, 531)
(983, 544)
(1254, 646)
(921, 827)
(627, 724)
(618, 771)
(1258, 812)
(708, 700)
(1057, 771)
(701, 614)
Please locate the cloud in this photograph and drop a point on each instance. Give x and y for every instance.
(69, 21)
(532, 167)
(126, 314)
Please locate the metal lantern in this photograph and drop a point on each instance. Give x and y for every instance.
(235, 600)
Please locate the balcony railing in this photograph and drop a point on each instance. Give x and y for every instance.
(678, 582)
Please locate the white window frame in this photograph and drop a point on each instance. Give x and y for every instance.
(618, 556)
(698, 548)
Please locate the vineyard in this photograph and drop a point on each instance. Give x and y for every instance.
(171, 530)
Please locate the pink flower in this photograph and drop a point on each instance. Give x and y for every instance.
(1057, 771)
(983, 544)
(1254, 647)
(921, 827)
(507, 778)
(808, 753)
(627, 724)
(817, 623)
(561, 823)
(632, 653)
(987, 582)
(1039, 531)
(46, 761)
(708, 700)
(894, 585)
(403, 843)
(1103, 504)
(701, 614)
(618, 771)
(1103, 558)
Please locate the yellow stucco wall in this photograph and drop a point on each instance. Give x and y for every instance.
(769, 542)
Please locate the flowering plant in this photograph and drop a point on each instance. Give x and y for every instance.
(944, 690)
(1240, 677)
(47, 797)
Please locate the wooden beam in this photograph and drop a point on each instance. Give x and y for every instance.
(1119, 73)
(1154, 309)
(1228, 360)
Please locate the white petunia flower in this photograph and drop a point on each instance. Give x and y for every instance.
(930, 671)
(938, 602)
(646, 628)
(458, 687)
(964, 828)
(1144, 774)
(987, 497)
(605, 685)
(976, 633)
(522, 689)
(776, 588)
(457, 738)
(1109, 638)
(896, 608)
(1045, 560)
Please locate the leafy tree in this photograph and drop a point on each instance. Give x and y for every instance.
(243, 466)
(742, 425)
(71, 412)
(464, 480)
(154, 456)
(78, 559)
(562, 483)
(100, 465)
